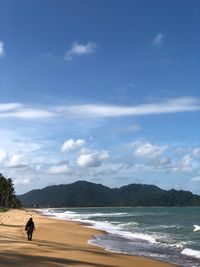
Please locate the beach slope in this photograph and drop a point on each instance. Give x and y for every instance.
(57, 243)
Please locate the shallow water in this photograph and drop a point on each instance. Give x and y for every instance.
(170, 234)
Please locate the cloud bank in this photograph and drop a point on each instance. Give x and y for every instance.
(147, 150)
(184, 104)
(176, 105)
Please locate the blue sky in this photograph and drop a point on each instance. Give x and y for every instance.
(106, 91)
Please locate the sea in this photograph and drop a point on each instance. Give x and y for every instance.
(169, 234)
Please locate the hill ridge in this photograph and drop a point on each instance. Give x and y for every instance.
(84, 194)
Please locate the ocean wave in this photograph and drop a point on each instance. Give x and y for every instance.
(74, 215)
(128, 225)
(196, 228)
(62, 215)
(191, 253)
(117, 230)
(101, 214)
(129, 230)
(102, 225)
(145, 237)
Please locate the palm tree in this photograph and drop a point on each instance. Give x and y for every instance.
(7, 193)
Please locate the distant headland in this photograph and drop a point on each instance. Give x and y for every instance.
(87, 194)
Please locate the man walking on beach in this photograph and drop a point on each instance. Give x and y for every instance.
(30, 227)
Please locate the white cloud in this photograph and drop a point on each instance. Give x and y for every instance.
(17, 161)
(93, 159)
(2, 50)
(59, 169)
(158, 39)
(38, 167)
(9, 106)
(21, 181)
(196, 179)
(80, 49)
(147, 150)
(186, 162)
(196, 152)
(28, 114)
(3, 155)
(72, 144)
(184, 104)
(85, 150)
(184, 165)
(20, 111)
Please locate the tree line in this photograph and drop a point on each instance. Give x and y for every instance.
(8, 198)
(86, 194)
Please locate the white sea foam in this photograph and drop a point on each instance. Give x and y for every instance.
(196, 228)
(121, 229)
(70, 215)
(117, 230)
(191, 253)
(129, 224)
(102, 225)
(62, 215)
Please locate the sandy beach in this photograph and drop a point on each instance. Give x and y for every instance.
(57, 243)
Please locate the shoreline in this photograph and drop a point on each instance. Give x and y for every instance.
(58, 243)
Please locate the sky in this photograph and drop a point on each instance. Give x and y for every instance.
(106, 91)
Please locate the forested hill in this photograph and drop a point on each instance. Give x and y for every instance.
(86, 194)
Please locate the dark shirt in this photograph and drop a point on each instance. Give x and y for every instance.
(30, 226)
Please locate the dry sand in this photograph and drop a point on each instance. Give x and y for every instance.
(57, 243)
